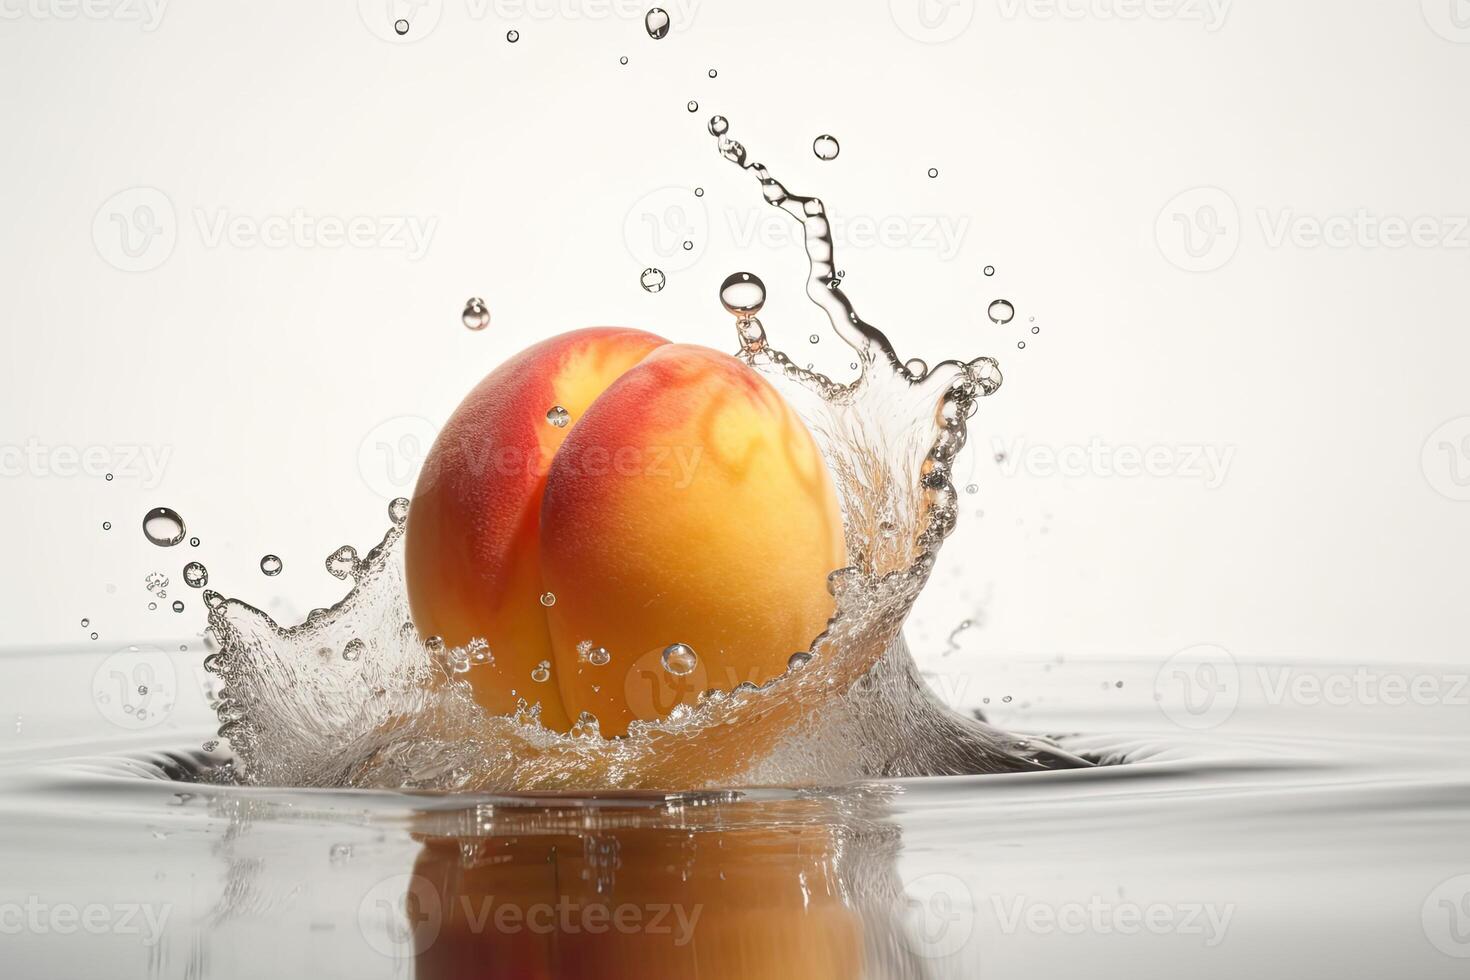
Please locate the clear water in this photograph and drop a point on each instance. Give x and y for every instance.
(1290, 840)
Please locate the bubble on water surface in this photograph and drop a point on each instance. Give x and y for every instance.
(476, 315)
(656, 22)
(271, 565)
(652, 279)
(826, 147)
(558, 416)
(1001, 312)
(163, 526)
(679, 659)
(196, 576)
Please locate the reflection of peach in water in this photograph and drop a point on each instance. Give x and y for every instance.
(790, 889)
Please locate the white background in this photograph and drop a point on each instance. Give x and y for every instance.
(1064, 138)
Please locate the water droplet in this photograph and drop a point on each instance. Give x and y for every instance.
(193, 542)
(163, 526)
(1036, 330)
(933, 172)
(743, 294)
(972, 488)
(178, 606)
(142, 688)
(718, 125)
(656, 22)
(688, 245)
(699, 192)
(1020, 345)
(542, 673)
(826, 147)
(354, 650)
(598, 656)
(558, 416)
(271, 565)
(86, 623)
(108, 478)
(342, 562)
(990, 270)
(652, 279)
(398, 510)
(713, 73)
(196, 576)
(107, 525)
(152, 606)
(815, 338)
(1001, 311)
(548, 599)
(916, 367)
(798, 660)
(623, 60)
(679, 659)
(400, 27)
(94, 636)
(476, 315)
(692, 106)
(512, 36)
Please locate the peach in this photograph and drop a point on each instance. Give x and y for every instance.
(683, 503)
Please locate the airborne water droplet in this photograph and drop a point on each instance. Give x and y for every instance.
(512, 36)
(652, 279)
(178, 606)
(400, 27)
(718, 125)
(476, 315)
(916, 367)
(542, 673)
(548, 599)
(163, 526)
(398, 510)
(271, 565)
(933, 172)
(826, 147)
(558, 416)
(598, 656)
(623, 60)
(656, 22)
(990, 270)
(196, 576)
(743, 294)
(692, 106)
(1001, 311)
(679, 659)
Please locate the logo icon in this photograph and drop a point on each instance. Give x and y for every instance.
(390, 456)
(1450, 19)
(400, 916)
(1446, 459)
(1446, 917)
(1198, 688)
(661, 224)
(135, 230)
(135, 687)
(939, 915)
(932, 21)
(1199, 230)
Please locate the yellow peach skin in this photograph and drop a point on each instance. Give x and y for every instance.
(683, 503)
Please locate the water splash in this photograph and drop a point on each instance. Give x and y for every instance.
(850, 706)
